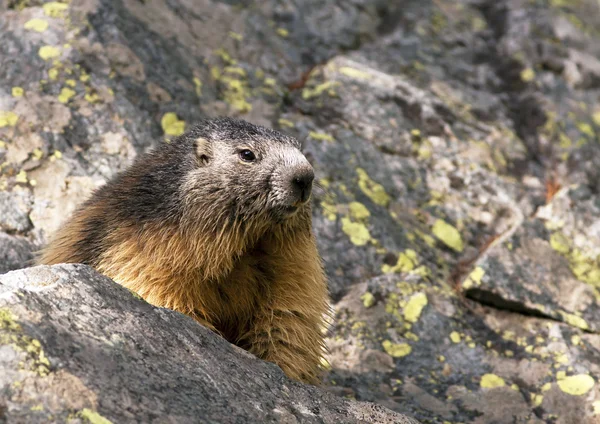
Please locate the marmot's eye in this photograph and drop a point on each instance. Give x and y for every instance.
(247, 155)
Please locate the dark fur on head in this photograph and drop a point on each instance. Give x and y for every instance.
(198, 181)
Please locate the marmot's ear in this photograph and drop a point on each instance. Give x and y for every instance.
(203, 150)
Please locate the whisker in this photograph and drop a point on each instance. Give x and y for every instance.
(320, 189)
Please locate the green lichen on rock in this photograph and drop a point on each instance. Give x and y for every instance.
(414, 307)
(396, 350)
(368, 299)
(358, 211)
(372, 189)
(474, 278)
(407, 261)
(357, 231)
(448, 234)
(93, 417)
(491, 381)
(584, 266)
(315, 91)
(172, 125)
(11, 334)
(7, 320)
(576, 385)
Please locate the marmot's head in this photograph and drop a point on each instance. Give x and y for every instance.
(240, 171)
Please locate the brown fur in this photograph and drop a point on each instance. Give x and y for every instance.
(260, 283)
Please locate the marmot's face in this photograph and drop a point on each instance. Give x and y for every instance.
(259, 172)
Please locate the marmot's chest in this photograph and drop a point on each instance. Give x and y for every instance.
(239, 295)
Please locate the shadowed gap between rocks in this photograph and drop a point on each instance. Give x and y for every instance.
(495, 301)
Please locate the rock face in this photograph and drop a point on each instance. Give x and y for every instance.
(456, 144)
(75, 346)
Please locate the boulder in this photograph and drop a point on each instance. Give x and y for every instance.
(77, 347)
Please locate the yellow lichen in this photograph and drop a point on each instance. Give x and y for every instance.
(320, 136)
(354, 73)
(407, 261)
(358, 211)
(527, 74)
(171, 125)
(17, 92)
(226, 57)
(92, 97)
(491, 381)
(448, 234)
(93, 417)
(576, 385)
(198, 86)
(474, 278)
(397, 350)
(49, 52)
(285, 123)
(55, 9)
(574, 320)
(236, 93)
(236, 70)
(559, 243)
(21, 177)
(357, 231)
(585, 128)
(368, 299)
(283, 32)
(455, 337)
(414, 307)
(373, 190)
(65, 95)
(236, 36)
(7, 320)
(309, 93)
(8, 119)
(53, 74)
(585, 268)
(36, 24)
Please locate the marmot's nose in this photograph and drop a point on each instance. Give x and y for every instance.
(303, 182)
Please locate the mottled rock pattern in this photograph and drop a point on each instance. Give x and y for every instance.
(15, 252)
(74, 345)
(455, 144)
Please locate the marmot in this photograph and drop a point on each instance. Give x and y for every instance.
(215, 224)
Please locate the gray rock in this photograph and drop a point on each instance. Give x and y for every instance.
(14, 211)
(74, 344)
(15, 252)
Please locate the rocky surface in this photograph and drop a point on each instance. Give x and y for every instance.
(456, 146)
(77, 347)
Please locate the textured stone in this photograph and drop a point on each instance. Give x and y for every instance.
(74, 344)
